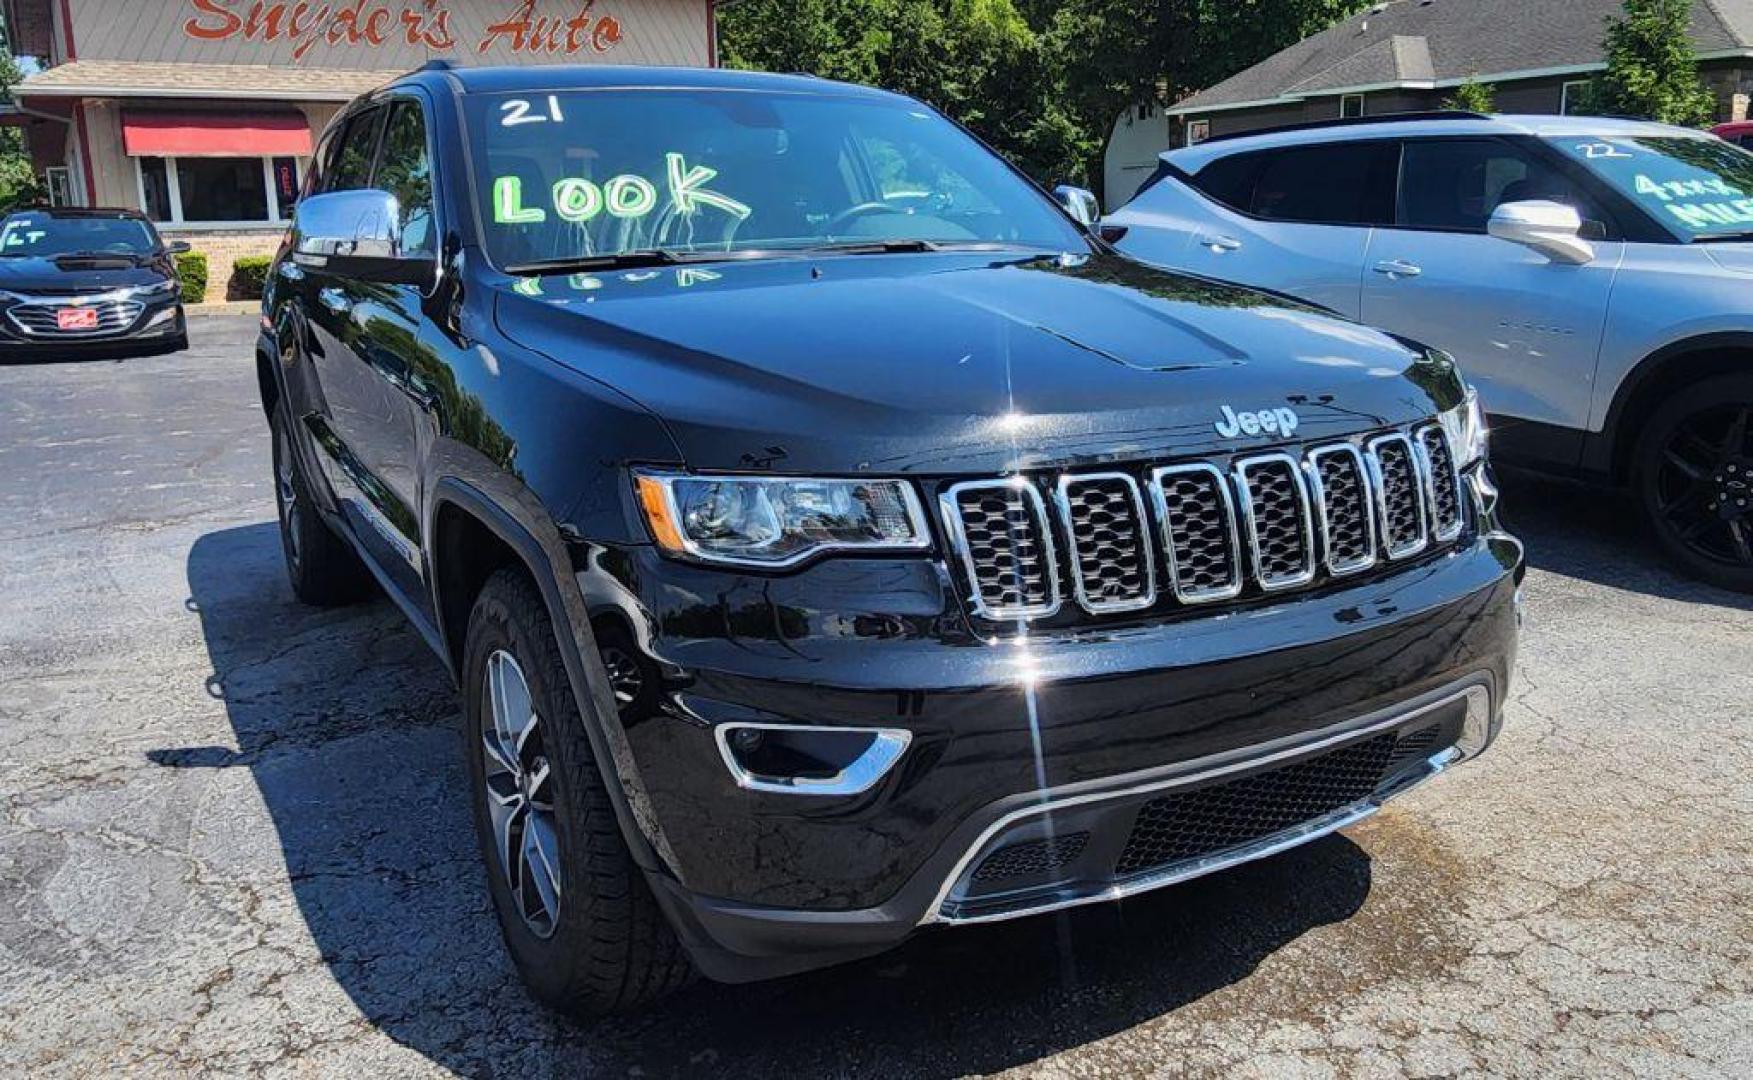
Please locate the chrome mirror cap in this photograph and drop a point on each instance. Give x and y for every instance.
(1553, 229)
(1079, 203)
(363, 224)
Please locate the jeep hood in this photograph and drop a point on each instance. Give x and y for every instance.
(963, 363)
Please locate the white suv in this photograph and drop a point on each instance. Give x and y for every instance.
(1593, 276)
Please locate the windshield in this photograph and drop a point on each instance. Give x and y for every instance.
(595, 173)
(39, 236)
(1698, 187)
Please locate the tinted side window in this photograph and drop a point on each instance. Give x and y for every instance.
(1454, 184)
(1231, 180)
(1344, 184)
(406, 172)
(351, 168)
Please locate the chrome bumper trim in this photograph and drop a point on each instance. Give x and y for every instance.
(1476, 734)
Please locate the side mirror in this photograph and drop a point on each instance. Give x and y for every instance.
(1553, 229)
(180, 247)
(1079, 203)
(357, 234)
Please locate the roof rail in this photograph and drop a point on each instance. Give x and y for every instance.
(1350, 121)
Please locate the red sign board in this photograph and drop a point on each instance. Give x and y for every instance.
(564, 31)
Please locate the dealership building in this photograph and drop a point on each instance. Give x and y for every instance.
(203, 113)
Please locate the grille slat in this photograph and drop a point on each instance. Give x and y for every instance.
(1399, 496)
(1109, 542)
(1198, 521)
(40, 320)
(1006, 548)
(1276, 512)
(1342, 500)
(1445, 483)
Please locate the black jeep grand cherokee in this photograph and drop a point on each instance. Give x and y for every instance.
(832, 538)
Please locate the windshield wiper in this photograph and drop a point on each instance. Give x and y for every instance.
(1719, 236)
(619, 260)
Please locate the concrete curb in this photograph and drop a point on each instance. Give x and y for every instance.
(223, 307)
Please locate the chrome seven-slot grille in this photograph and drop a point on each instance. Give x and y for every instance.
(1203, 533)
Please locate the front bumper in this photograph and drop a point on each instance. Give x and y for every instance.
(1022, 742)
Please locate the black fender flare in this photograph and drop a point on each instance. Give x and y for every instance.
(1603, 454)
(584, 669)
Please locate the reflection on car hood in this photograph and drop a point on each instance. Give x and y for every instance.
(75, 276)
(962, 362)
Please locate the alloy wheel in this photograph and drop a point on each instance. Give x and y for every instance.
(1704, 485)
(520, 795)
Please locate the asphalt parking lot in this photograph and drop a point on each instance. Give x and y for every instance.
(234, 838)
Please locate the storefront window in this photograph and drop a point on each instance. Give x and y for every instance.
(177, 191)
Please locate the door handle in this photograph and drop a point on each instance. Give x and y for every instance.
(335, 300)
(1220, 245)
(1398, 268)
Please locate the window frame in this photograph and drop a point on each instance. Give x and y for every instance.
(1611, 206)
(389, 103)
(1564, 95)
(1384, 146)
(1343, 98)
(174, 193)
(1203, 126)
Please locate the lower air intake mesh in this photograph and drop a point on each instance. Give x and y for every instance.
(1033, 858)
(1188, 825)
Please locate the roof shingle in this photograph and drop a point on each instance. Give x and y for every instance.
(1418, 42)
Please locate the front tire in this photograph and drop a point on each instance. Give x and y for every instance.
(1693, 472)
(323, 569)
(581, 924)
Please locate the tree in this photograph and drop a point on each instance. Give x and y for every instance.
(1116, 54)
(18, 180)
(1042, 80)
(1652, 68)
(979, 61)
(1472, 96)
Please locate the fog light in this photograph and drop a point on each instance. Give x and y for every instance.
(797, 760)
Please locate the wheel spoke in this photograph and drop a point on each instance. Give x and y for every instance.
(1695, 495)
(541, 859)
(497, 754)
(1743, 543)
(1735, 443)
(540, 797)
(1686, 468)
(508, 827)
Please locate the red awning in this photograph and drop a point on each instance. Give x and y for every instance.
(166, 134)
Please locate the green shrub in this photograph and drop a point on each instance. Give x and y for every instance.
(249, 275)
(192, 272)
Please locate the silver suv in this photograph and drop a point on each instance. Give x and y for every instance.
(1593, 276)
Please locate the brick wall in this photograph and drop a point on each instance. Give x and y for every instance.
(222, 249)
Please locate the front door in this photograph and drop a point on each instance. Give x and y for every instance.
(1526, 331)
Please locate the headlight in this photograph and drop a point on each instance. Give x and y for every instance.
(163, 288)
(1465, 426)
(764, 522)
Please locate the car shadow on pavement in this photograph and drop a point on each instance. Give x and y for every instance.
(349, 729)
(1596, 535)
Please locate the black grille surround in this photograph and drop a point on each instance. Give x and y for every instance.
(1220, 530)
